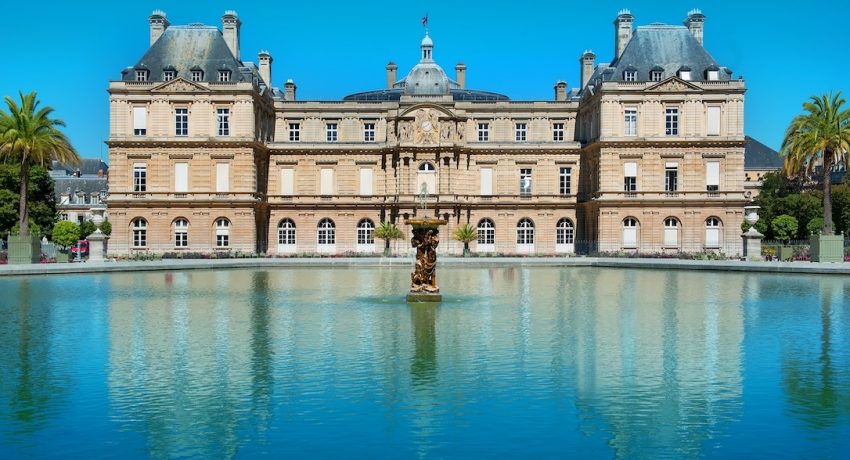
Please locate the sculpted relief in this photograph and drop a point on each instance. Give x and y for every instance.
(426, 127)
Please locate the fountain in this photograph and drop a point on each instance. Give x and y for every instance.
(426, 238)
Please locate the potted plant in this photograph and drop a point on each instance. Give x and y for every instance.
(784, 227)
(388, 231)
(465, 234)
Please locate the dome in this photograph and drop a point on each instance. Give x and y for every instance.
(427, 41)
(426, 78)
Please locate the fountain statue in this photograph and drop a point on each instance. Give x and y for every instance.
(426, 238)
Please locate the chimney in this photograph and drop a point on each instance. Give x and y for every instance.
(265, 60)
(587, 61)
(158, 23)
(561, 90)
(289, 90)
(230, 24)
(391, 68)
(622, 32)
(460, 74)
(694, 23)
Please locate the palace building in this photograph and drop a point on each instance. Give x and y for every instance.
(646, 154)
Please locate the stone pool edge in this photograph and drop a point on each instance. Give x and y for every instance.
(712, 265)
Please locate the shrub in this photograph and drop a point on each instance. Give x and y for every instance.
(66, 233)
(815, 225)
(784, 227)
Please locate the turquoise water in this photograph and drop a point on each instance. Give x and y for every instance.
(516, 362)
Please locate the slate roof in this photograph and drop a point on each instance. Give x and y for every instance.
(396, 93)
(663, 46)
(73, 184)
(760, 156)
(186, 47)
(89, 167)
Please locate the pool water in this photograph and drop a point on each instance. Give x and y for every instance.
(516, 362)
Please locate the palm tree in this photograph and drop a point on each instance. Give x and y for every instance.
(29, 136)
(388, 231)
(465, 233)
(821, 134)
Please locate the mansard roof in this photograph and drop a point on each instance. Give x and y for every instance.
(192, 47)
(760, 156)
(396, 93)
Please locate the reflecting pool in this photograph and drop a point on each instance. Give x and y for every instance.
(516, 362)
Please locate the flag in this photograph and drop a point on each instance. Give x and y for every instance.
(425, 20)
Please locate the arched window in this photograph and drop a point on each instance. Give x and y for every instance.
(326, 236)
(140, 232)
(366, 235)
(712, 232)
(564, 236)
(486, 236)
(427, 175)
(181, 233)
(671, 233)
(525, 235)
(222, 232)
(630, 227)
(286, 236)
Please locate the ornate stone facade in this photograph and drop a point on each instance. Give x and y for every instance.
(625, 162)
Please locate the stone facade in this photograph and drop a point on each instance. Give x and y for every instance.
(542, 177)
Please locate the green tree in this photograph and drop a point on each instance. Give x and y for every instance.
(388, 231)
(29, 136)
(106, 227)
(822, 135)
(66, 233)
(42, 203)
(784, 227)
(87, 228)
(803, 206)
(815, 225)
(465, 234)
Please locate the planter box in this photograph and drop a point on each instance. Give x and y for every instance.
(24, 249)
(61, 257)
(827, 248)
(786, 252)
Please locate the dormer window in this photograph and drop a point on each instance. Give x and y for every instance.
(655, 75)
(685, 73)
(630, 75)
(197, 75)
(168, 75)
(223, 75)
(712, 73)
(141, 75)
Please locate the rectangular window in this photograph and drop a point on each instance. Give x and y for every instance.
(168, 75)
(197, 75)
(713, 120)
(141, 75)
(140, 121)
(630, 177)
(630, 121)
(486, 181)
(287, 182)
(369, 132)
(483, 132)
(181, 177)
(671, 121)
(294, 132)
(222, 177)
(326, 186)
(655, 75)
(521, 132)
(366, 181)
(181, 122)
(685, 74)
(140, 177)
(712, 176)
(671, 177)
(630, 75)
(713, 75)
(222, 117)
(558, 132)
(331, 132)
(565, 180)
(525, 181)
(223, 75)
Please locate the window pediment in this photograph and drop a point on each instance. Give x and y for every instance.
(179, 85)
(674, 84)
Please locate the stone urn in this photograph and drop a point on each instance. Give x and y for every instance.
(751, 215)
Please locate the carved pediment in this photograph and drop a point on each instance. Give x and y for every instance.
(674, 84)
(180, 85)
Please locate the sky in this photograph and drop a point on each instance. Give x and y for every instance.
(69, 51)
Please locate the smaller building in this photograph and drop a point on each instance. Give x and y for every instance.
(80, 192)
(759, 160)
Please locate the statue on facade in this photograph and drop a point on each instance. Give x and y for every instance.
(404, 131)
(391, 131)
(461, 130)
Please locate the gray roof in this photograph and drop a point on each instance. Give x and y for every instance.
(396, 93)
(760, 156)
(89, 167)
(668, 47)
(186, 47)
(73, 184)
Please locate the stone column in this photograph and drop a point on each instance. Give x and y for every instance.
(97, 246)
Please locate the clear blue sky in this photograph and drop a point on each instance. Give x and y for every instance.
(68, 51)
